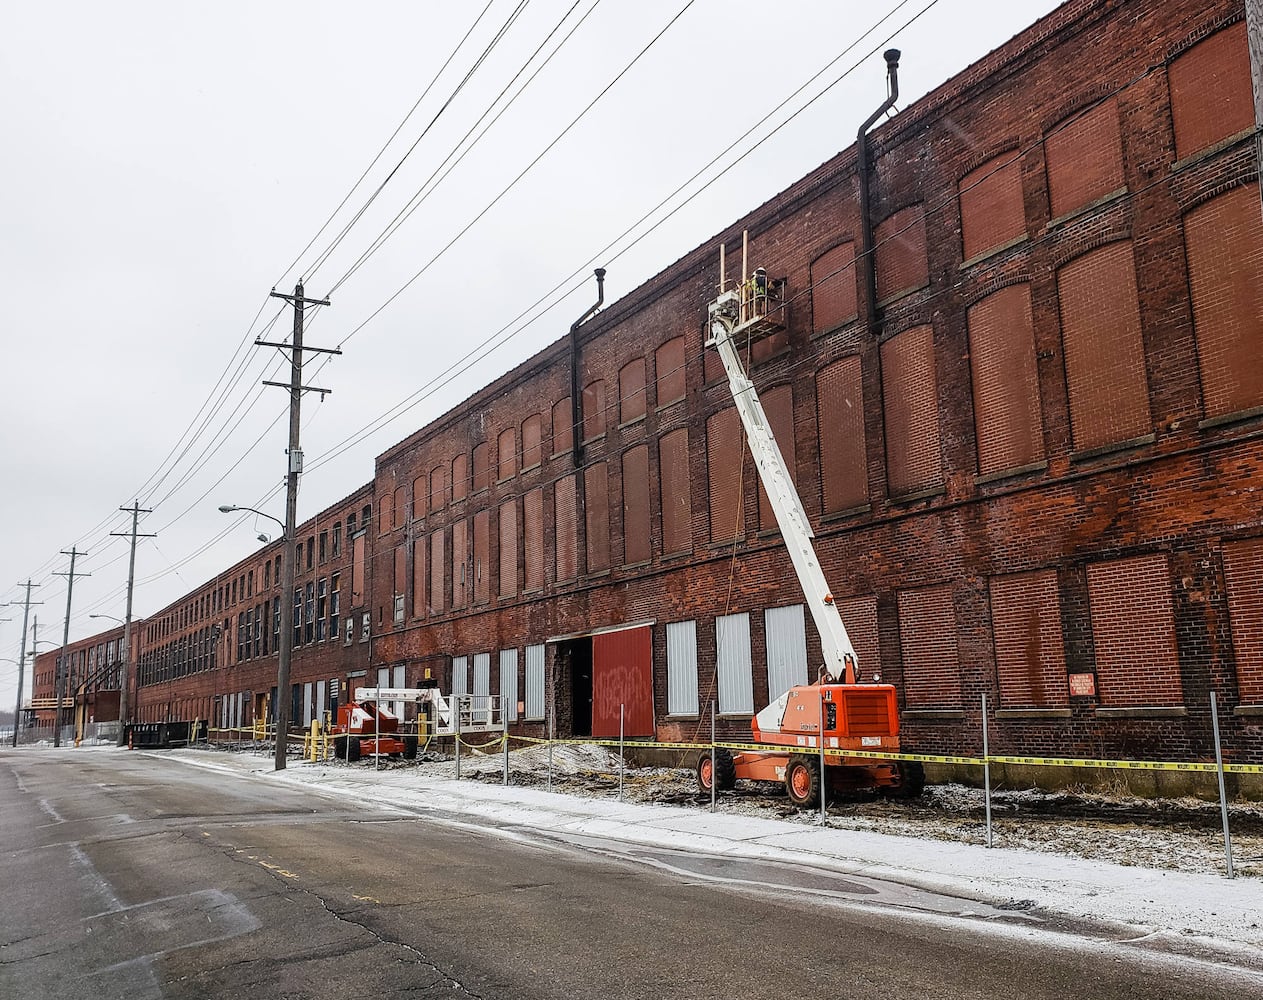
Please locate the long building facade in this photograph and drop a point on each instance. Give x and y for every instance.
(1018, 384)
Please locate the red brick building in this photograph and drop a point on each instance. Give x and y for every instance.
(92, 673)
(1029, 441)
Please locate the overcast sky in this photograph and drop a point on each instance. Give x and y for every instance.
(166, 163)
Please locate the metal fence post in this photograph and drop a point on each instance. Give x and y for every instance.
(823, 818)
(506, 756)
(377, 735)
(456, 703)
(621, 713)
(1219, 767)
(714, 775)
(986, 766)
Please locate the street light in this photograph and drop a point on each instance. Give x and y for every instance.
(110, 617)
(285, 653)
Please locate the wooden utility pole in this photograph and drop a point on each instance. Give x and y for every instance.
(64, 664)
(1254, 38)
(296, 390)
(125, 680)
(26, 613)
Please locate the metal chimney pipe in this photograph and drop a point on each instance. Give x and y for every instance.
(576, 407)
(865, 169)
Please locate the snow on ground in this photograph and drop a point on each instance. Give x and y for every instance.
(1156, 876)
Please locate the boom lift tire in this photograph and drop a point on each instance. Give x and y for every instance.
(410, 748)
(802, 780)
(352, 749)
(339, 747)
(911, 781)
(725, 771)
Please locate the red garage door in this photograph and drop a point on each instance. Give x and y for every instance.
(622, 676)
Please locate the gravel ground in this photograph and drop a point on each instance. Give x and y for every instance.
(1175, 834)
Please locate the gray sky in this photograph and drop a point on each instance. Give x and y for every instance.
(167, 162)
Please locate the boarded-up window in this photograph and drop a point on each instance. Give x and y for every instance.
(673, 479)
(899, 241)
(437, 591)
(596, 500)
(1084, 156)
(833, 296)
(631, 391)
(778, 404)
(910, 405)
(1029, 651)
(1243, 570)
(563, 428)
(1105, 357)
(401, 507)
(734, 667)
(460, 562)
(682, 668)
(508, 683)
(460, 476)
(419, 570)
(840, 423)
(637, 542)
(385, 513)
(532, 449)
(991, 210)
(535, 700)
(594, 409)
(1224, 240)
(927, 637)
(482, 466)
(480, 565)
(533, 538)
(508, 548)
(1006, 383)
(724, 451)
(438, 487)
(1133, 633)
(420, 494)
(400, 570)
(566, 517)
(669, 367)
(357, 570)
(786, 640)
(1211, 98)
(506, 467)
(859, 618)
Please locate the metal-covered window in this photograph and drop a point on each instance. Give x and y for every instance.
(682, 668)
(786, 649)
(535, 682)
(508, 683)
(482, 674)
(460, 675)
(733, 664)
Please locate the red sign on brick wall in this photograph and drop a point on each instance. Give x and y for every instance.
(1082, 685)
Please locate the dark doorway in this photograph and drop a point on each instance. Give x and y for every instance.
(575, 658)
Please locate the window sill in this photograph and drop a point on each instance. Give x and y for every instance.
(638, 565)
(1090, 207)
(1248, 710)
(686, 716)
(902, 294)
(594, 438)
(933, 714)
(1225, 419)
(1110, 449)
(1021, 470)
(1033, 713)
(836, 328)
(994, 251)
(842, 515)
(1149, 712)
(632, 422)
(667, 405)
(1205, 154)
(505, 479)
(933, 491)
(531, 468)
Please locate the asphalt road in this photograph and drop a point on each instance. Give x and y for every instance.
(129, 875)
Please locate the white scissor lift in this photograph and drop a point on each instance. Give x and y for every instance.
(454, 715)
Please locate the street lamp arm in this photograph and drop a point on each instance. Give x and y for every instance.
(232, 509)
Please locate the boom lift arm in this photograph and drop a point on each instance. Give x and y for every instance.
(728, 321)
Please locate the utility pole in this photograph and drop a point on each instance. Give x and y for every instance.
(1254, 39)
(125, 682)
(295, 467)
(65, 640)
(26, 612)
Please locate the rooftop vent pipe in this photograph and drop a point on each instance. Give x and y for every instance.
(865, 170)
(576, 408)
